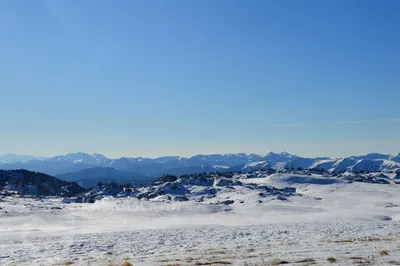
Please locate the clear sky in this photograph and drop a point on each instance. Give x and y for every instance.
(152, 78)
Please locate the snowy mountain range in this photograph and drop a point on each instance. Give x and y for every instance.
(151, 167)
(92, 168)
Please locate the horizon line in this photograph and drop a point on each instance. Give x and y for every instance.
(187, 157)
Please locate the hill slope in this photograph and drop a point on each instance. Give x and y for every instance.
(36, 184)
(89, 178)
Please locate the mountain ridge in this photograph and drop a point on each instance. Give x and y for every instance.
(75, 164)
(90, 177)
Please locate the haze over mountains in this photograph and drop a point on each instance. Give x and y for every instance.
(14, 158)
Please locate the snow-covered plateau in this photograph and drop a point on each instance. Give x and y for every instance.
(266, 219)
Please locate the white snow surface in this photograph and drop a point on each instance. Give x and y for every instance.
(352, 222)
(221, 166)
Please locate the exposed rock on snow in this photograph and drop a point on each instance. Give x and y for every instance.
(189, 187)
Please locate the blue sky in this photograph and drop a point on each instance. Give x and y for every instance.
(152, 78)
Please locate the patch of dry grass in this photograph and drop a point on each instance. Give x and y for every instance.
(278, 262)
(363, 262)
(344, 241)
(372, 239)
(70, 262)
(308, 260)
(125, 263)
(331, 259)
(213, 263)
(384, 252)
(218, 252)
(360, 260)
(375, 239)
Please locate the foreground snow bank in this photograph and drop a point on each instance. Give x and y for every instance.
(340, 220)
